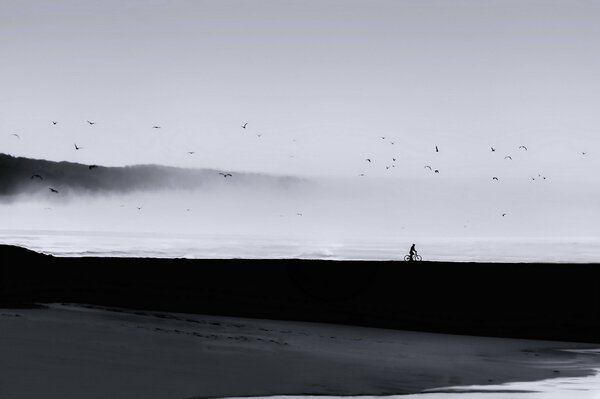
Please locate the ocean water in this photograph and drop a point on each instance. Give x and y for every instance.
(555, 388)
(204, 246)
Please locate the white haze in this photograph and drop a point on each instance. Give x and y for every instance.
(448, 219)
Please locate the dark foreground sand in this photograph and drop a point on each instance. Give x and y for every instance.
(74, 351)
(534, 301)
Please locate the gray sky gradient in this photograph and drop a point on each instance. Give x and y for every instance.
(321, 82)
(332, 75)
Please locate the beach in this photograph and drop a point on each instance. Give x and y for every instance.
(194, 328)
(69, 350)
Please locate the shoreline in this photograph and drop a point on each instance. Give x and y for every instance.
(576, 250)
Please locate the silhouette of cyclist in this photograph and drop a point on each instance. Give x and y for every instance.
(413, 252)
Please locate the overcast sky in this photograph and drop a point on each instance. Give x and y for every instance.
(320, 81)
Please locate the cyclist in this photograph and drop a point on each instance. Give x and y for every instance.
(413, 252)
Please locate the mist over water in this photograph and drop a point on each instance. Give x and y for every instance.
(336, 218)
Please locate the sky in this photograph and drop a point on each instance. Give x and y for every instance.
(320, 81)
(322, 86)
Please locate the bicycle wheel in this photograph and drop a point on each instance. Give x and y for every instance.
(407, 258)
(418, 257)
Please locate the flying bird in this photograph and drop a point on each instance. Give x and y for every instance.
(392, 142)
(53, 190)
(298, 214)
(225, 175)
(368, 160)
(362, 174)
(436, 171)
(54, 123)
(427, 166)
(77, 148)
(508, 157)
(259, 135)
(523, 147)
(244, 125)
(37, 177)
(583, 153)
(436, 149)
(92, 167)
(394, 159)
(382, 137)
(16, 135)
(155, 127)
(139, 208)
(495, 178)
(191, 152)
(504, 214)
(91, 123)
(493, 149)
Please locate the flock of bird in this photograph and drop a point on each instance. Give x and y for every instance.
(226, 175)
(436, 149)
(90, 167)
(437, 171)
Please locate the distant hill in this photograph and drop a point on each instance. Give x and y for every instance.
(19, 175)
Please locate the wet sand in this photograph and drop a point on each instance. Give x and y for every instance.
(75, 351)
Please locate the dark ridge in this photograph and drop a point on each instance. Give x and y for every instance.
(16, 177)
(536, 301)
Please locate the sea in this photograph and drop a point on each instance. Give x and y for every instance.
(555, 388)
(207, 246)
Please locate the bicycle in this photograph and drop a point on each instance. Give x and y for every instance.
(409, 258)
